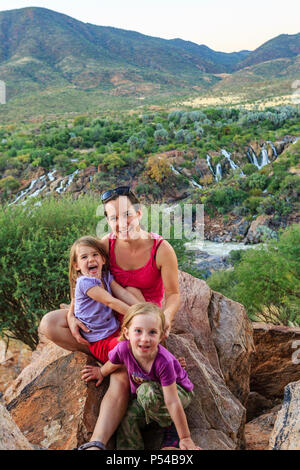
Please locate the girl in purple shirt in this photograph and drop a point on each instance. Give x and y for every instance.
(160, 387)
(96, 295)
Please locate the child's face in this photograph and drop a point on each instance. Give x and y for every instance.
(144, 334)
(89, 261)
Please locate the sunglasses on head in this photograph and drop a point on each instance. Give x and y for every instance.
(120, 191)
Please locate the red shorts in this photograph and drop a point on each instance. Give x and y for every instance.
(101, 348)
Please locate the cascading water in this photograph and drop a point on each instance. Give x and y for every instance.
(218, 175)
(233, 165)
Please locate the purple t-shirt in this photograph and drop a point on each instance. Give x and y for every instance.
(99, 318)
(165, 369)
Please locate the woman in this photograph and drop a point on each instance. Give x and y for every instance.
(138, 260)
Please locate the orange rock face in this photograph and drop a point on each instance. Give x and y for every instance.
(276, 361)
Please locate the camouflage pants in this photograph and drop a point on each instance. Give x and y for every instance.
(149, 405)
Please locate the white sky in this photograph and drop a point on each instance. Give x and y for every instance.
(226, 26)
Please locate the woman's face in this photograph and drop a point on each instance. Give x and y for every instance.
(122, 218)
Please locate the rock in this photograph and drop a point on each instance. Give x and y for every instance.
(216, 417)
(232, 334)
(12, 360)
(258, 431)
(253, 236)
(221, 329)
(286, 432)
(276, 361)
(192, 317)
(11, 437)
(57, 410)
(257, 405)
(46, 353)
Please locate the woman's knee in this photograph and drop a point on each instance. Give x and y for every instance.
(50, 322)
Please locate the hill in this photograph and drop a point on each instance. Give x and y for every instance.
(284, 46)
(40, 48)
(53, 64)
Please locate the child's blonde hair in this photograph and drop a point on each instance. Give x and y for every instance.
(85, 241)
(140, 309)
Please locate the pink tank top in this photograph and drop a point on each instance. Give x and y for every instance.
(148, 278)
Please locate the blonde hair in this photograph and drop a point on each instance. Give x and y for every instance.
(85, 241)
(141, 308)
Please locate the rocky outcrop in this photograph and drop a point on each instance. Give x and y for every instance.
(46, 353)
(216, 417)
(11, 437)
(253, 234)
(14, 356)
(259, 430)
(56, 410)
(276, 360)
(286, 432)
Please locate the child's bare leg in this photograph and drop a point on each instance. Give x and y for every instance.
(113, 407)
(136, 292)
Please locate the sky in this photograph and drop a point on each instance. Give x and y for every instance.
(226, 26)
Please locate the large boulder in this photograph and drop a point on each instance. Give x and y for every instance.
(56, 410)
(221, 329)
(286, 432)
(276, 360)
(46, 353)
(11, 437)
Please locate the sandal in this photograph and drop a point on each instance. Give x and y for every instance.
(98, 444)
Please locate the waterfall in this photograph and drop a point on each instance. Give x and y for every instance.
(218, 176)
(273, 148)
(227, 155)
(233, 165)
(196, 184)
(209, 164)
(174, 170)
(265, 158)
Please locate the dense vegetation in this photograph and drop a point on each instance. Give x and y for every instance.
(138, 149)
(266, 280)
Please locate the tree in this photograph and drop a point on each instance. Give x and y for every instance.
(158, 168)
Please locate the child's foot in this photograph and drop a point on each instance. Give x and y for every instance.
(170, 439)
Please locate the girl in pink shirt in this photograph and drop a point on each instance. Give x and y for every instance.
(160, 387)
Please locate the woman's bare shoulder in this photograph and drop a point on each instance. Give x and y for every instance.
(165, 253)
(105, 241)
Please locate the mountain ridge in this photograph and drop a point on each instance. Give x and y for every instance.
(48, 58)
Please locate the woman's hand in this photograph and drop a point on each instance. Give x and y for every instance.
(188, 444)
(75, 326)
(92, 373)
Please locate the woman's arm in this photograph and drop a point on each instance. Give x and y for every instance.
(166, 261)
(76, 325)
(101, 295)
(178, 416)
(123, 294)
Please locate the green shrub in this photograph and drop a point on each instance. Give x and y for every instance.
(266, 280)
(34, 252)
